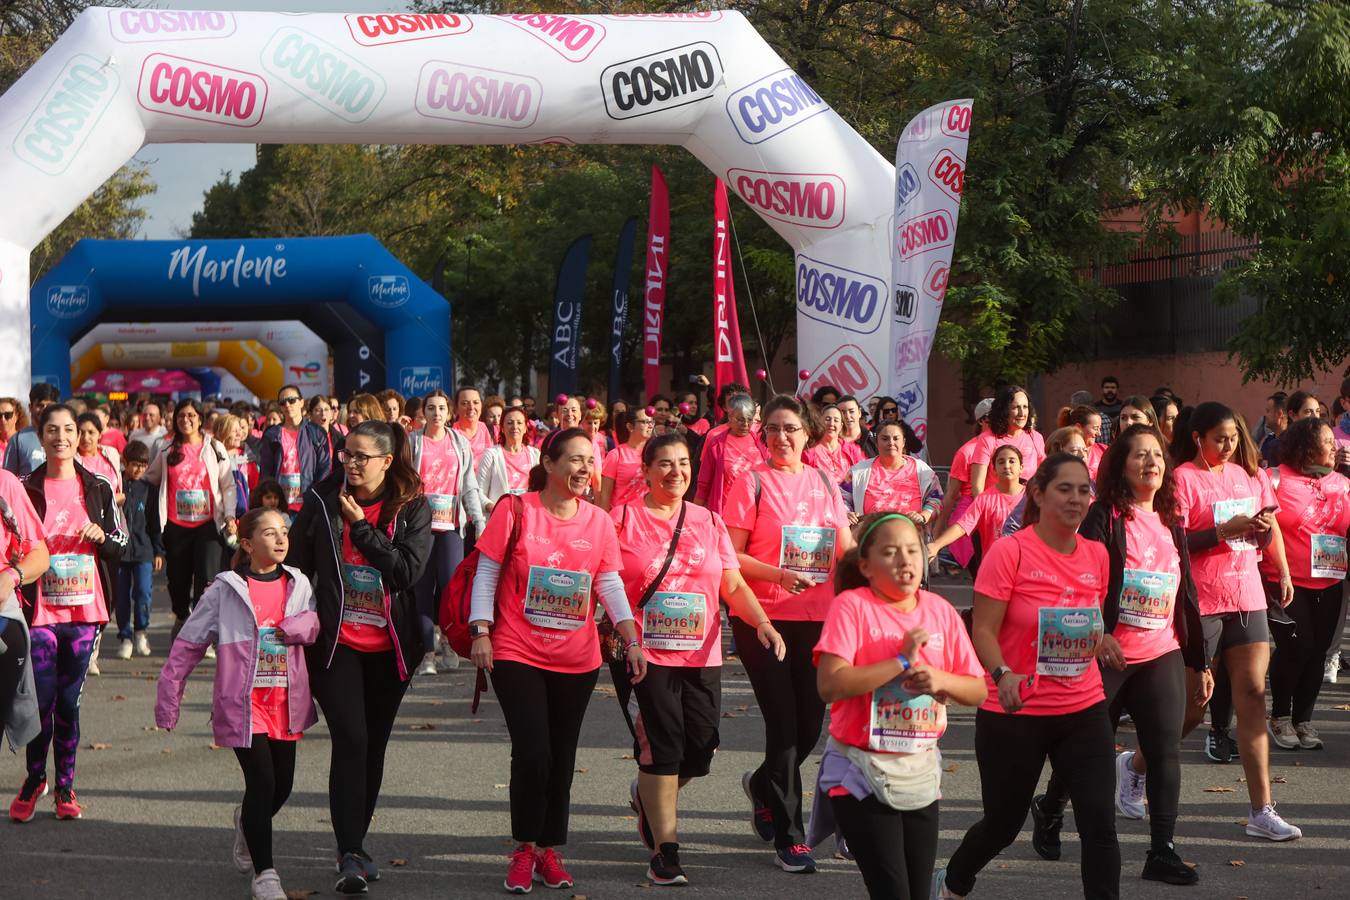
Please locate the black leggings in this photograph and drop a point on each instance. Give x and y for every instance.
(359, 694)
(793, 713)
(447, 552)
(543, 711)
(1154, 694)
(1301, 650)
(192, 557)
(269, 772)
(12, 661)
(894, 850)
(1011, 751)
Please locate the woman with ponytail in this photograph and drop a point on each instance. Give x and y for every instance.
(363, 538)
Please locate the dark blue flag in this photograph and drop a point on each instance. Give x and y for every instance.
(571, 290)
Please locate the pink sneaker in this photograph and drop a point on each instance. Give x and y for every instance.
(25, 803)
(548, 868)
(520, 876)
(67, 807)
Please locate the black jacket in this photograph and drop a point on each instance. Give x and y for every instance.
(140, 511)
(102, 511)
(316, 550)
(1106, 526)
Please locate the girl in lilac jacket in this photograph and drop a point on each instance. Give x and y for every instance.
(257, 616)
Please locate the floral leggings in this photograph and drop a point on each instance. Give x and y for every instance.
(60, 659)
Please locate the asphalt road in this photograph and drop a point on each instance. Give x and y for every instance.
(157, 809)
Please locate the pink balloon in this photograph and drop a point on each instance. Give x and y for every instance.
(685, 409)
(804, 374)
(651, 410)
(591, 403)
(761, 374)
(560, 399)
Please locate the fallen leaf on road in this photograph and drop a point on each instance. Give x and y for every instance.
(731, 715)
(500, 787)
(1241, 780)
(117, 697)
(1237, 863)
(580, 897)
(398, 862)
(1279, 779)
(742, 708)
(214, 747)
(625, 756)
(167, 750)
(424, 726)
(98, 746)
(1345, 706)
(149, 728)
(951, 768)
(1298, 765)
(299, 894)
(1218, 790)
(582, 771)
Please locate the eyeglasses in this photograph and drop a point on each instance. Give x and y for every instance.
(789, 430)
(347, 457)
(289, 400)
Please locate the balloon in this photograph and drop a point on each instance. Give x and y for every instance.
(591, 403)
(561, 399)
(651, 410)
(685, 409)
(761, 375)
(804, 374)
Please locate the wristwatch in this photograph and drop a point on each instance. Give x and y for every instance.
(998, 674)
(477, 631)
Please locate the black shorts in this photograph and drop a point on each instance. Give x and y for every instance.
(1233, 630)
(676, 712)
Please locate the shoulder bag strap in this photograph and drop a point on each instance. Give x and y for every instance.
(670, 557)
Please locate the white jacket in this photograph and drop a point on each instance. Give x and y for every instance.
(470, 499)
(220, 475)
(492, 471)
(855, 485)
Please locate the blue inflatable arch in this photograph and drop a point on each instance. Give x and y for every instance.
(384, 325)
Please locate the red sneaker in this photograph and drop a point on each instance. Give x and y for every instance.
(548, 868)
(67, 807)
(25, 804)
(520, 876)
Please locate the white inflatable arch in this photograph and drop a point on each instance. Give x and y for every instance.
(121, 78)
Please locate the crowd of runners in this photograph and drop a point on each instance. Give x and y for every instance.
(1138, 561)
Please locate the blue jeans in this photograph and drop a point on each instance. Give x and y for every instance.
(133, 592)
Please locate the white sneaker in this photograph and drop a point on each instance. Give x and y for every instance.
(1332, 669)
(243, 861)
(428, 666)
(1308, 738)
(1267, 824)
(1129, 787)
(210, 651)
(124, 649)
(267, 886)
(142, 644)
(1282, 733)
(448, 660)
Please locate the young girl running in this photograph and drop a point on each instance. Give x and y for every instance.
(986, 515)
(258, 616)
(889, 658)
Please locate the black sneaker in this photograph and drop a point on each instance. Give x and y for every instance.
(351, 875)
(1167, 867)
(664, 869)
(1045, 830)
(368, 866)
(761, 817)
(1219, 747)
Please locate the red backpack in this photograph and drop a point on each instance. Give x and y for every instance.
(454, 614)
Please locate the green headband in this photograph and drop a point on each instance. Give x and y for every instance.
(886, 518)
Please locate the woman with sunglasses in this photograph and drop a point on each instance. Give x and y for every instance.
(623, 479)
(363, 538)
(294, 452)
(12, 421)
(196, 505)
(1008, 419)
(789, 525)
(505, 467)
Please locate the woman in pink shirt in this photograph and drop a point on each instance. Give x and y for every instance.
(890, 658)
(1007, 425)
(623, 478)
(1314, 517)
(956, 496)
(505, 467)
(1228, 508)
(986, 515)
(677, 562)
(1038, 631)
(789, 525)
(533, 621)
(1151, 610)
(728, 453)
(832, 454)
(1088, 422)
(894, 481)
(70, 603)
(102, 460)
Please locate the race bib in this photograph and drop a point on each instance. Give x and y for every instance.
(672, 620)
(808, 551)
(443, 516)
(1066, 640)
(271, 671)
(1227, 509)
(191, 506)
(290, 483)
(1146, 598)
(557, 598)
(69, 581)
(1328, 556)
(903, 722)
(363, 594)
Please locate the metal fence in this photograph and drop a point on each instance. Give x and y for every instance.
(1166, 302)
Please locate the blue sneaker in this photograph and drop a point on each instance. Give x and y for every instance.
(761, 817)
(795, 859)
